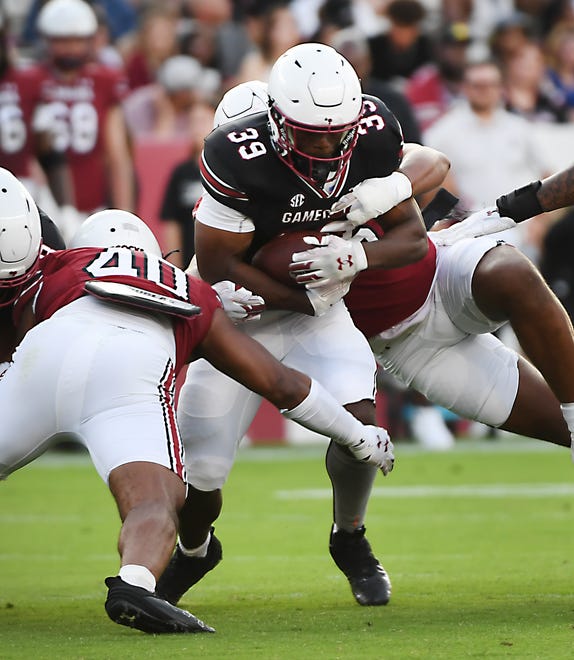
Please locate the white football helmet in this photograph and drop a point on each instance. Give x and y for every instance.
(67, 18)
(244, 99)
(116, 228)
(314, 89)
(20, 235)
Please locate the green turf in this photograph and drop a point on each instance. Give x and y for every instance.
(479, 543)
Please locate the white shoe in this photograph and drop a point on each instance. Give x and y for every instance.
(430, 430)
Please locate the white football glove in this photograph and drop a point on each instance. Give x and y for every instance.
(239, 303)
(369, 199)
(4, 366)
(481, 223)
(325, 296)
(374, 447)
(333, 259)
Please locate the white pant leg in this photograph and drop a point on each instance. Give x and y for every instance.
(97, 372)
(450, 356)
(214, 412)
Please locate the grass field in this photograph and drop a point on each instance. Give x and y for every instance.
(479, 543)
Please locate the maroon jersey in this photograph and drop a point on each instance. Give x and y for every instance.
(76, 111)
(19, 96)
(382, 297)
(65, 272)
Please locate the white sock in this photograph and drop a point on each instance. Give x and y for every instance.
(568, 413)
(200, 551)
(138, 576)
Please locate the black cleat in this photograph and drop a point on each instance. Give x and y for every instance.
(183, 572)
(352, 553)
(139, 608)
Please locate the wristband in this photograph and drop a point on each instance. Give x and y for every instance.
(521, 203)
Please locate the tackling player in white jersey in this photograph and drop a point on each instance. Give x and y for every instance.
(109, 377)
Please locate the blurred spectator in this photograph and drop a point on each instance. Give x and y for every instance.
(509, 36)
(560, 50)
(528, 91)
(272, 29)
(490, 149)
(121, 17)
(312, 15)
(104, 49)
(156, 40)
(354, 46)
(182, 192)
(434, 88)
(482, 16)
(80, 104)
(404, 47)
(163, 110)
(334, 15)
(209, 32)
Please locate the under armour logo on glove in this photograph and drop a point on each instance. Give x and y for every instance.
(374, 447)
(332, 259)
(345, 262)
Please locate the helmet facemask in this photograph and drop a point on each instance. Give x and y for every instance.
(316, 170)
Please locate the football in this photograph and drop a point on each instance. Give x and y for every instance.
(274, 257)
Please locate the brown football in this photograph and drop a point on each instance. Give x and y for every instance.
(274, 257)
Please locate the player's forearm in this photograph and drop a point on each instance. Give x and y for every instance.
(557, 190)
(405, 239)
(425, 167)
(554, 192)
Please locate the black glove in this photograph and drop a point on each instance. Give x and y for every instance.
(521, 203)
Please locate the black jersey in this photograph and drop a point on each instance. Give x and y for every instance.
(240, 169)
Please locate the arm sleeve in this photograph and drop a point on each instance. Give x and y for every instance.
(212, 213)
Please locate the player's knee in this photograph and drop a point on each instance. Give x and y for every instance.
(504, 280)
(208, 473)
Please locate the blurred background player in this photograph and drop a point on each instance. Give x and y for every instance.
(23, 145)
(80, 103)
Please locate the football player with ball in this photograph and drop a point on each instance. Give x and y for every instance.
(282, 170)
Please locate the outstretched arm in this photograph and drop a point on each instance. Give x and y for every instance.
(554, 192)
(295, 394)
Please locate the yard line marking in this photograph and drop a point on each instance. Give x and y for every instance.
(463, 490)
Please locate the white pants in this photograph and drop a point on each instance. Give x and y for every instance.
(449, 355)
(97, 371)
(214, 411)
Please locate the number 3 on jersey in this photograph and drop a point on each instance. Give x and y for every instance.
(251, 150)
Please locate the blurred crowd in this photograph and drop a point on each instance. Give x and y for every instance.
(124, 94)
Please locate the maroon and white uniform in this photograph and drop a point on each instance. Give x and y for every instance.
(103, 371)
(76, 112)
(19, 96)
(425, 327)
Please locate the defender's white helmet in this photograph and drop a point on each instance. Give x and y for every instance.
(67, 18)
(20, 235)
(314, 89)
(116, 228)
(244, 99)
